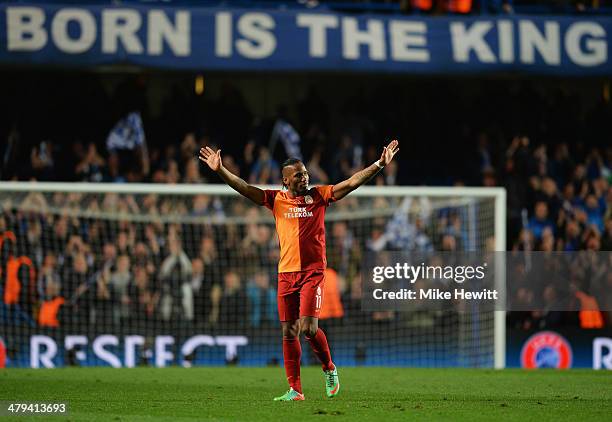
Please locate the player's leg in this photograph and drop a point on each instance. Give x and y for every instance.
(311, 300)
(317, 340)
(292, 353)
(288, 310)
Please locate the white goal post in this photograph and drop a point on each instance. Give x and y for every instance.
(12, 194)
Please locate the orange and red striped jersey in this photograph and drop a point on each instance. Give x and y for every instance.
(300, 224)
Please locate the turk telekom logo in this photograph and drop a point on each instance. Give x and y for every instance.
(546, 349)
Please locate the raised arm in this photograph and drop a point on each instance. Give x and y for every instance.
(347, 186)
(213, 160)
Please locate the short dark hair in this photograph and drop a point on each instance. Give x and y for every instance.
(290, 161)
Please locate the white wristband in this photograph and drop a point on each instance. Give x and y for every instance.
(377, 162)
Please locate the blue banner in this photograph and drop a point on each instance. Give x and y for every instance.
(292, 40)
(561, 348)
(50, 348)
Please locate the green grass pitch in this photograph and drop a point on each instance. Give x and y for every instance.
(369, 394)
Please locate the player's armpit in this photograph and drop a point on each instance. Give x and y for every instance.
(268, 198)
(327, 193)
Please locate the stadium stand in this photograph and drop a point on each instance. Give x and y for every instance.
(559, 199)
(545, 141)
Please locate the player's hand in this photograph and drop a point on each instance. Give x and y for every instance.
(210, 157)
(389, 152)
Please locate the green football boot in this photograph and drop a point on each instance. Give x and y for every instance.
(290, 395)
(332, 383)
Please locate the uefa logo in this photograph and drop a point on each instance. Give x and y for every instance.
(546, 349)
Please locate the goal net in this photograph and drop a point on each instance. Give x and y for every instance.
(159, 275)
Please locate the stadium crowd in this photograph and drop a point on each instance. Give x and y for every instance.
(121, 272)
(76, 260)
(108, 270)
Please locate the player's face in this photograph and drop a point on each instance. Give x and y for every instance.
(295, 177)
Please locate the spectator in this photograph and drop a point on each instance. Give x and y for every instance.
(318, 176)
(550, 194)
(113, 170)
(153, 241)
(74, 280)
(35, 247)
(402, 234)
(201, 291)
(173, 174)
(262, 300)
(144, 298)
(348, 158)
(572, 241)
(119, 281)
(266, 170)
(343, 252)
(59, 238)
(74, 288)
(189, 149)
(205, 206)
(192, 172)
(589, 315)
(546, 318)
(50, 306)
(91, 168)
(390, 174)
(175, 274)
(109, 256)
(77, 246)
(449, 243)
(208, 251)
(141, 255)
(248, 157)
(233, 303)
(331, 306)
(42, 161)
(48, 274)
(594, 212)
(540, 220)
(561, 164)
(127, 146)
(104, 300)
(125, 243)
